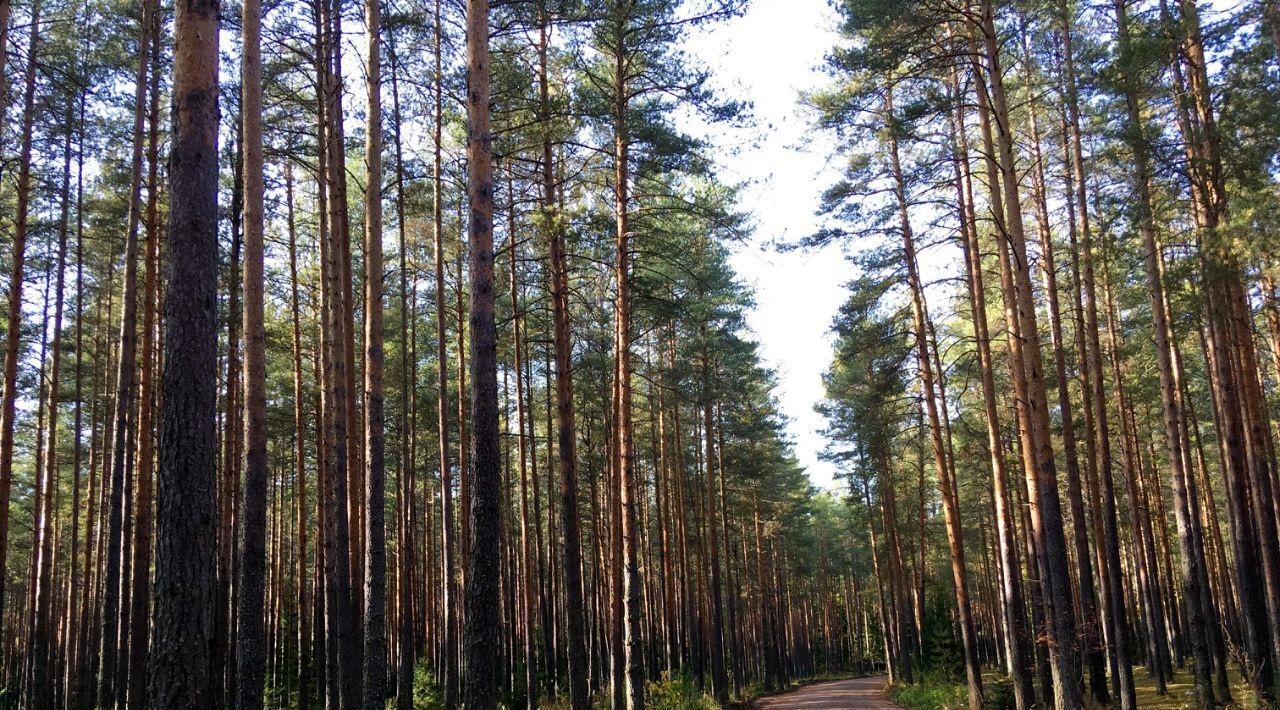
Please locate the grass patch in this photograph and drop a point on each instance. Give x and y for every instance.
(946, 692)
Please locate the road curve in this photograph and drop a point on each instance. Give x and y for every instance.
(832, 695)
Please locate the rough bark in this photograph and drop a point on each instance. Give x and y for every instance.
(180, 654)
(250, 653)
(482, 631)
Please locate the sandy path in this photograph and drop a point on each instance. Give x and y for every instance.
(833, 695)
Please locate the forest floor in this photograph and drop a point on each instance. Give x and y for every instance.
(1179, 690)
(832, 695)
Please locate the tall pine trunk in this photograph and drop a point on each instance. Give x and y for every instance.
(1016, 639)
(180, 654)
(114, 609)
(13, 330)
(40, 682)
(950, 496)
(300, 455)
(1191, 552)
(566, 425)
(482, 632)
(140, 617)
(250, 652)
(375, 546)
(623, 447)
(449, 588)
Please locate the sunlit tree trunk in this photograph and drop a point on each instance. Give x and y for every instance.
(1191, 553)
(121, 457)
(1028, 378)
(950, 497)
(1090, 628)
(1016, 638)
(482, 627)
(632, 660)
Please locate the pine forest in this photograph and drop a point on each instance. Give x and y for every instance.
(418, 354)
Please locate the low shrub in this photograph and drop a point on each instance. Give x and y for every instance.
(677, 692)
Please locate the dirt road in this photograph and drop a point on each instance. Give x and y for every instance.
(833, 695)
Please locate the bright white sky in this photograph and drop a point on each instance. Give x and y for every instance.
(769, 56)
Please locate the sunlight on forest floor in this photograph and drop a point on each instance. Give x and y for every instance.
(1179, 691)
(936, 696)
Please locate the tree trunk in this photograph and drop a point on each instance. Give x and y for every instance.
(719, 677)
(1017, 648)
(950, 497)
(1191, 553)
(77, 588)
(1093, 645)
(625, 455)
(250, 632)
(482, 627)
(374, 504)
(1115, 616)
(407, 573)
(341, 626)
(179, 667)
(566, 425)
(300, 455)
(13, 331)
(141, 597)
(449, 586)
(114, 610)
(40, 683)
(1040, 469)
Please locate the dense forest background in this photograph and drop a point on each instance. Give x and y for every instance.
(382, 353)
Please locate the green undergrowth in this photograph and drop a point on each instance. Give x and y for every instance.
(945, 691)
(671, 692)
(676, 691)
(1180, 691)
